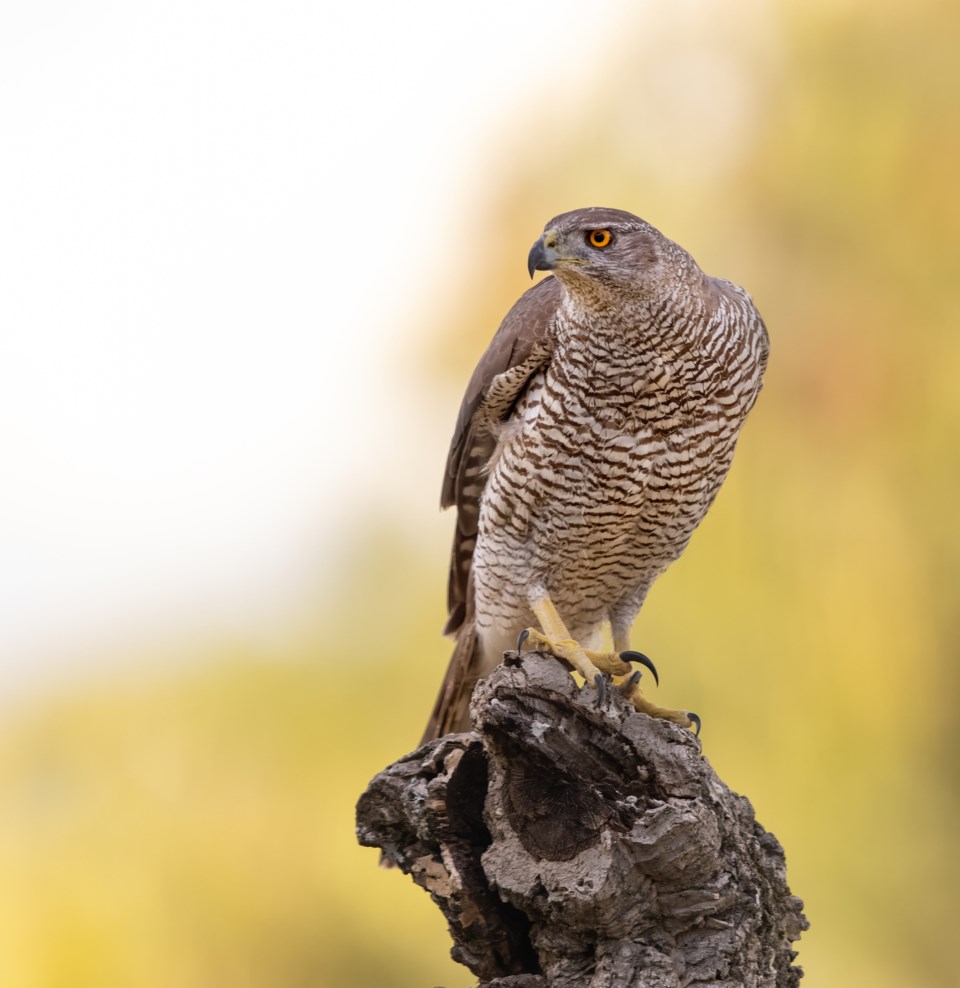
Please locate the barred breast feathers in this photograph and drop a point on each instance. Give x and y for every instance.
(592, 438)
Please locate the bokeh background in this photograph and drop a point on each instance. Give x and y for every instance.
(249, 254)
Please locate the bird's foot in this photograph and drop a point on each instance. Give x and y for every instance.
(629, 686)
(594, 666)
(555, 639)
(589, 664)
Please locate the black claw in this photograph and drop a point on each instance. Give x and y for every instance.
(627, 688)
(524, 635)
(643, 660)
(600, 682)
(696, 720)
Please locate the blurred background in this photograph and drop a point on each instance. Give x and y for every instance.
(249, 255)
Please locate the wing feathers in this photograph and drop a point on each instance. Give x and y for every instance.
(522, 344)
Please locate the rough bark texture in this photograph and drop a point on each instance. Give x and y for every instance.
(570, 844)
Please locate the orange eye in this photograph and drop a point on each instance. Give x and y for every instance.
(599, 238)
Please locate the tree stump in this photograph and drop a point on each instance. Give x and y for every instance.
(572, 844)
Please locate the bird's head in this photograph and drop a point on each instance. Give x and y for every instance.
(589, 248)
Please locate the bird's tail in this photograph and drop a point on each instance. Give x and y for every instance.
(451, 712)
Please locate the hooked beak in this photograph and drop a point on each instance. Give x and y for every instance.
(542, 255)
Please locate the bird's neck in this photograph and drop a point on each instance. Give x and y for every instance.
(663, 322)
(611, 351)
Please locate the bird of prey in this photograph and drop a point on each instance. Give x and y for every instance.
(593, 437)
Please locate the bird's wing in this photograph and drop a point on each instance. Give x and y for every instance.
(521, 346)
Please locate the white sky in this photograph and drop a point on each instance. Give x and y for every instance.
(208, 209)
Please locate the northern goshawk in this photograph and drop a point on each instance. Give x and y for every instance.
(592, 439)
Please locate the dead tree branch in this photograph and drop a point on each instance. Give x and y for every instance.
(573, 845)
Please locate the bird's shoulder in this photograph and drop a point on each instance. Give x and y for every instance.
(741, 314)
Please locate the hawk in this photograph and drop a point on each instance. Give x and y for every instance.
(593, 437)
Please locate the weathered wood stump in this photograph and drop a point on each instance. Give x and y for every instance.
(570, 844)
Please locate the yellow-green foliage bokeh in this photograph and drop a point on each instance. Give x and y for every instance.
(196, 828)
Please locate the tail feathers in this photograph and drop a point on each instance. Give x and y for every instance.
(451, 712)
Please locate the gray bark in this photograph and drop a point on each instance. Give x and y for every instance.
(571, 844)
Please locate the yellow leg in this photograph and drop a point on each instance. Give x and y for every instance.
(637, 697)
(555, 639)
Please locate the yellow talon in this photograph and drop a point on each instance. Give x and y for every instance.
(567, 649)
(609, 662)
(637, 697)
(555, 638)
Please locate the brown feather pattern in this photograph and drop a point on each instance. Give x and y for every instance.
(593, 437)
